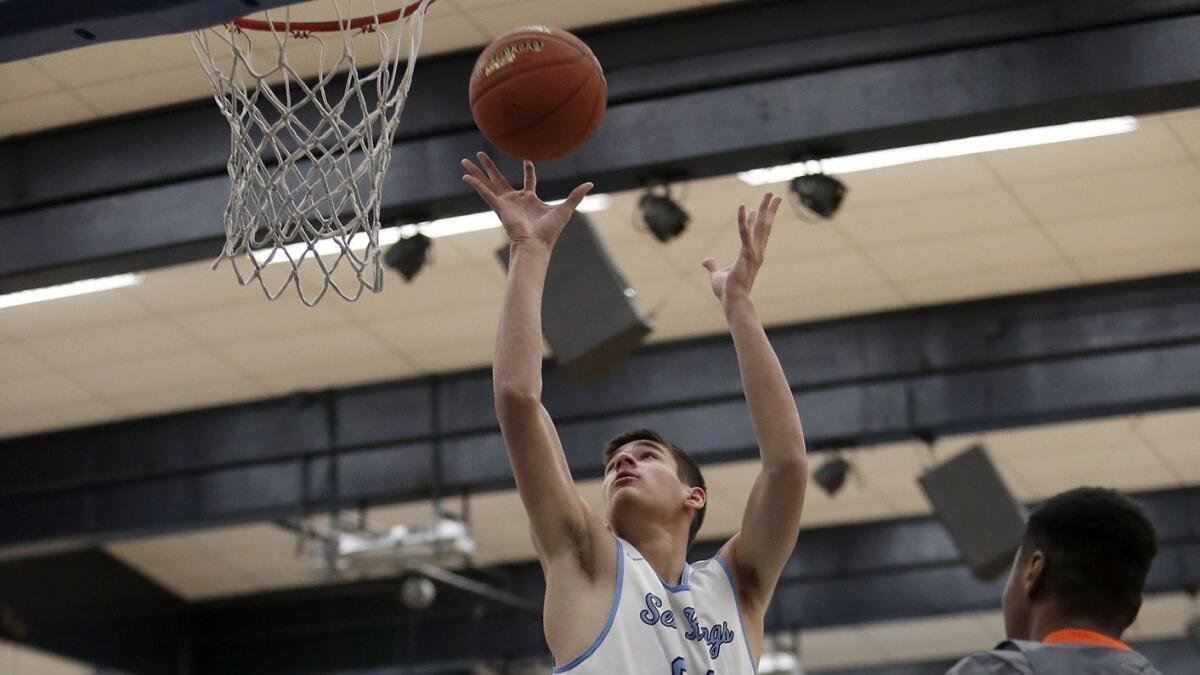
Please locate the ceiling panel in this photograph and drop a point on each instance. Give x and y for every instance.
(68, 314)
(1109, 193)
(57, 416)
(1132, 265)
(929, 638)
(151, 375)
(839, 648)
(1186, 126)
(42, 391)
(990, 208)
(20, 79)
(301, 350)
(147, 90)
(44, 111)
(107, 344)
(1010, 279)
(259, 320)
(965, 255)
(1144, 231)
(911, 182)
(181, 395)
(18, 362)
(1151, 144)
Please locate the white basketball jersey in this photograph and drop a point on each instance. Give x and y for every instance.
(657, 629)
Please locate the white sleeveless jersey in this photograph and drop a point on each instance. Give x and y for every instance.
(657, 629)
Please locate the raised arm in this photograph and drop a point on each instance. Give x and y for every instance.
(558, 515)
(772, 518)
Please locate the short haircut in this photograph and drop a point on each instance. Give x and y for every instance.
(687, 469)
(1098, 546)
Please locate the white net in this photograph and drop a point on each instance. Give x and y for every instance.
(312, 115)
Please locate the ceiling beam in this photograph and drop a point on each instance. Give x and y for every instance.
(1070, 354)
(689, 99)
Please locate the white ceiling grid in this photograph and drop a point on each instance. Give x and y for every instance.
(939, 231)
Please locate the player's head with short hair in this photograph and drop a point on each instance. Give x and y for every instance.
(653, 461)
(1085, 554)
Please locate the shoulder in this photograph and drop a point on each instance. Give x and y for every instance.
(1005, 659)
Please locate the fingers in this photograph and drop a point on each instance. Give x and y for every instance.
(572, 201)
(710, 264)
(744, 226)
(497, 179)
(481, 187)
(530, 177)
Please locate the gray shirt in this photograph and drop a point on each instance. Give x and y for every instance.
(1018, 657)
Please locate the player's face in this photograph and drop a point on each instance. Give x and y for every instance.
(642, 475)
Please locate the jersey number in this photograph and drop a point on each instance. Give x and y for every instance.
(679, 667)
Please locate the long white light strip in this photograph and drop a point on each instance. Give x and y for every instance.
(444, 227)
(955, 148)
(67, 290)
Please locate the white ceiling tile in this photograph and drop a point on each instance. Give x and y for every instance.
(261, 319)
(963, 256)
(437, 288)
(671, 325)
(302, 349)
(1186, 125)
(147, 90)
(643, 262)
(41, 392)
(43, 111)
(990, 282)
(835, 272)
(813, 306)
(928, 638)
(430, 331)
(1120, 235)
(19, 362)
(1105, 194)
(1182, 459)
(192, 287)
(1143, 264)
(69, 314)
(1171, 426)
(1152, 143)
(1033, 442)
(675, 295)
(1163, 616)
(822, 648)
(20, 79)
(336, 372)
(948, 215)
(453, 357)
(30, 661)
(448, 32)
(169, 398)
(56, 417)
(115, 60)
(480, 246)
(107, 344)
(156, 375)
(912, 182)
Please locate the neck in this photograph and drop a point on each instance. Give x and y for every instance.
(665, 550)
(1050, 620)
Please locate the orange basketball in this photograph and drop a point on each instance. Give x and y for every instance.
(537, 92)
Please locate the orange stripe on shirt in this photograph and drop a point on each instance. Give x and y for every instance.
(1084, 636)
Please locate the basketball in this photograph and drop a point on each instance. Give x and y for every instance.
(537, 93)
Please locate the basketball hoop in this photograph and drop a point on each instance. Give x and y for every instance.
(308, 156)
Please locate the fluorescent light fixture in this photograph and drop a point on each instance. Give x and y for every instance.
(963, 146)
(779, 663)
(443, 227)
(67, 290)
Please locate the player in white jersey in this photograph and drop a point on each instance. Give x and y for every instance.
(621, 598)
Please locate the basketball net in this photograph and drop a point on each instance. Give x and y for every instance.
(308, 156)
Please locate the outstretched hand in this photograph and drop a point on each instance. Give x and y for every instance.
(736, 280)
(526, 218)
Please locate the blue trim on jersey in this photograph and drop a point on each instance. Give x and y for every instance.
(612, 614)
(738, 601)
(683, 581)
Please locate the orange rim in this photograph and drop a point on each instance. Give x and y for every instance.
(304, 27)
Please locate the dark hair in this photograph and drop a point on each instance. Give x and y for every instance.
(687, 469)
(1098, 546)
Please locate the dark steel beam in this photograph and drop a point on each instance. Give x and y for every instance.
(847, 575)
(777, 90)
(1030, 359)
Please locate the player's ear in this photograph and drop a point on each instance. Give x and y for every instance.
(696, 498)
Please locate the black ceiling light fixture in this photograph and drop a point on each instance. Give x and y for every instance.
(662, 215)
(819, 193)
(409, 255)
(831, 475)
